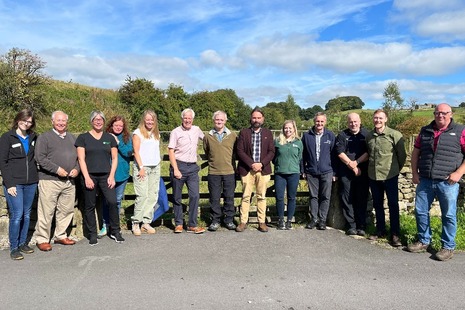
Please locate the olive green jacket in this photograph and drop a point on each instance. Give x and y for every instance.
(387, 154)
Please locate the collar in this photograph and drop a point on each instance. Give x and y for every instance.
(61, 135)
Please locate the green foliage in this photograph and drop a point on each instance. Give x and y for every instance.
(21, 81)
(139, 95)
(409, 230)
(392, 97)
(462, 105)
(344, 103)
(309, 113)
(277, 112)
(412, 125)
(78, 101)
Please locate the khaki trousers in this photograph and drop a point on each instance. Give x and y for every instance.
(260, 182)
(55, 198)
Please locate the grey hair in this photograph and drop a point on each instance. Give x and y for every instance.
(94, 114)
(188, 110)
(56, 112)
(218, 113)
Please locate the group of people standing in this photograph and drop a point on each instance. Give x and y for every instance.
(360, 159)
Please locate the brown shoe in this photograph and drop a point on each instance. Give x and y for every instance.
(147, 229)
(196, 230)
(44, 247)
(262, 227)
(395, 242)
(178, 229)
(241, 227)
(65, 241)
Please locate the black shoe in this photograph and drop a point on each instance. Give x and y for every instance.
(288, 225)
(230, 226)
(311, 225)
(281, 225)
(321, 226)
(214, 227)
(93, 240)
(26, 249)
(351, 232)
(117, 237)
(361, 232)
(16, 255)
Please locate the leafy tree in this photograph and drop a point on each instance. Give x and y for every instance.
(393, 103)
(392, 97)
(21, 80)
(289, 109)
(309, 113)
(344, 103)
(462, 105)
(139, 95)
(174, 100)
(274, 119)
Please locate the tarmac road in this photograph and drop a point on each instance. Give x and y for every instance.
(298, 269)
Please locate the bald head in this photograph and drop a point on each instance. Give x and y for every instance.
(353, 122)
(442, 115)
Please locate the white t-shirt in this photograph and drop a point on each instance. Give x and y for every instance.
(149, 149)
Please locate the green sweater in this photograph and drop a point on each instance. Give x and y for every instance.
(387, 154)
(287, 157)
(220, 155)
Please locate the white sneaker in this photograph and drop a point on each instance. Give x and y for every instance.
(136, 229)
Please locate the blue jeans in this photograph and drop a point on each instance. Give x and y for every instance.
(119, 188)
(288, 182)
(447, 196)
(20, 213)
(390, 186)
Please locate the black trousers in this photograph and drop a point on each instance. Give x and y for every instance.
(90, 198)
(353, 192)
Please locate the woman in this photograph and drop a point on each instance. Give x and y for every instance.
(98, 157)
(146, 142)
(20, 178)
(117, 127)
(288, 154)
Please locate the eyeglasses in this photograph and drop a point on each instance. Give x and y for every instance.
(441, 113)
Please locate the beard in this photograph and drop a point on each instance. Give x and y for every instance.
(256, 125)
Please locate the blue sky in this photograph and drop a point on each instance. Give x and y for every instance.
(263, 49)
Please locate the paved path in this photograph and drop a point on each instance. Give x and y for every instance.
(298, 269)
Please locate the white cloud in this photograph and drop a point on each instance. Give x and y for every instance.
(297, 53)
(440, 20)
(448, 26)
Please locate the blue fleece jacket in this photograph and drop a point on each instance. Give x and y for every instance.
(327, 158)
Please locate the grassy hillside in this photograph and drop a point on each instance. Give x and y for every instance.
(76, 100)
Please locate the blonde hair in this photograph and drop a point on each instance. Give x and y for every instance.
(145, 133)
(282, 137)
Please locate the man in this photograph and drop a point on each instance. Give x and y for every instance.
(387, 156)
(57, 160)
(255, 151)
(318, 159)
(437, 167)
(353, 178)
(182, 151)
(219, 146)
